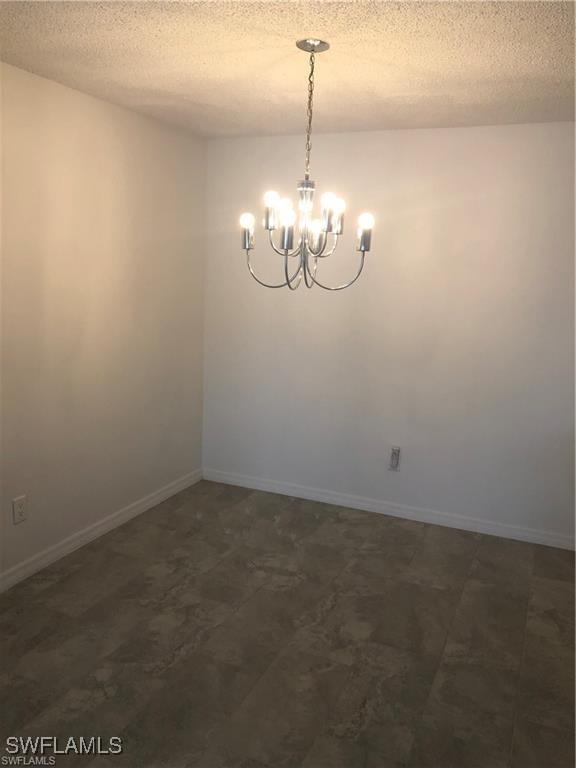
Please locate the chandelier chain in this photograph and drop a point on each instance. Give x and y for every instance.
(309, 112)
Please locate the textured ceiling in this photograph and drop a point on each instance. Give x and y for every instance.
(231, 68)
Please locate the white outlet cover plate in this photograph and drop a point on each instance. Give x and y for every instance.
(19, 509)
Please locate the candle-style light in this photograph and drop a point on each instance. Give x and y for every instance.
(247, 224)
(328, 201)
(287, 221)
(338, 216)
(271, 199)
(314, 234)
(365, 226)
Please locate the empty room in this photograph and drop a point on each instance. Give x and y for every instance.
(287, 384)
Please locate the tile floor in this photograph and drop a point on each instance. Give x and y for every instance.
(227, 628)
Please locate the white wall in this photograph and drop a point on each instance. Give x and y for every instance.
(456, 344)
(101, 309)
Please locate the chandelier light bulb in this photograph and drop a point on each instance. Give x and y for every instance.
(328, 200)
(284, 204)
(366, 221)
(287, 217)
(247, 221)
(300, 239)
(271, 199)
(315, 226)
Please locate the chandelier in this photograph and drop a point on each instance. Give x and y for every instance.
(315, 238)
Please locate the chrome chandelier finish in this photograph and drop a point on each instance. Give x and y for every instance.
(317, 238)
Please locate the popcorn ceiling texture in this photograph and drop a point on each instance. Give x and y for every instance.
(231, 68)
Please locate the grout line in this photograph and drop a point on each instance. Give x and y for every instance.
(350, 558)
(441, 655)
(520, 668)
(425, 531)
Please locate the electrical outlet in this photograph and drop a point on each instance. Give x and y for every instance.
(19, 509)
(394, 464)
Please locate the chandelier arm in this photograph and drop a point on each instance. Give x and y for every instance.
(332, 249)
(266, 285)
(310, 272)
(298, 274)
(344, 285)
(321, 252)
(307, 271)
(279, 251)
(321, 248)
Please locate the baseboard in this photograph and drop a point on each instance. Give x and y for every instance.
(28, 567)
(33, 564)
(490, 527)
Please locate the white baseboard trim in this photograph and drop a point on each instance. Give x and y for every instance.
(35, 563)
(490, 527)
